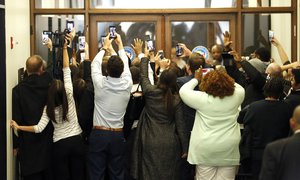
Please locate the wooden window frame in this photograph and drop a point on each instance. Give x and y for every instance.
(237, 11)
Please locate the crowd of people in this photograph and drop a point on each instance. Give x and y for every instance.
(181, 118)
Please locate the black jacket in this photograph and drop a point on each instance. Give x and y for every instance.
(28, 100)
(281, 160)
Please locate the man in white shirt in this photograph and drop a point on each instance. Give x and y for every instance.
(112, 92)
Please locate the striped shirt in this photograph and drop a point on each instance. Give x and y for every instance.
(62, 129)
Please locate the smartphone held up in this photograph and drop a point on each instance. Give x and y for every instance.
(271, 35)
(45, 37)
(112, 32)
(81, 42)
(179, 50)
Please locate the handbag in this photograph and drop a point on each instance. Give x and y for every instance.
(134, 109)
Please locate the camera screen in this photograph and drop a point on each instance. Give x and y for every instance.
(150, 45)
(112, 32)
(70, 25)
(271, 35)
(45, 36)
(81, 43)
(178, 50)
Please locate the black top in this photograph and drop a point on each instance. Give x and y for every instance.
(268, 121)
(28, 100)
(188, 113)
(293, 99)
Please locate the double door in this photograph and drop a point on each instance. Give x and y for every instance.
(165, 30)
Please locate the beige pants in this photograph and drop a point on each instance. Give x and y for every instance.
(215, 172)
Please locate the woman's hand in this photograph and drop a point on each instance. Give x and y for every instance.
(14, 124)
(184, 155)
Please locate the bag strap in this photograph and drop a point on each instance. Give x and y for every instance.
(137, 89)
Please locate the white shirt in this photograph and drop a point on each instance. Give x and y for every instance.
(62, 129)
(111, 94)
(216, 133)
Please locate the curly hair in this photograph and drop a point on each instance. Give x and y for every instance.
(217, 83)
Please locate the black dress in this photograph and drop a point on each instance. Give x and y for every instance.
(159, 141)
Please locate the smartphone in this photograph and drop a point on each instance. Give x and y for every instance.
(70, 25)
(161, 54)
(112, 32)
(147, 38)
(82, 56)
(81, 42)
(150, 45)
(271, 35)
(45, 36)
(228, 59)
(179, 50)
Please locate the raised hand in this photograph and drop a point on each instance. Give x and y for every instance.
(186, 51)
(138, 45)
(227, 40)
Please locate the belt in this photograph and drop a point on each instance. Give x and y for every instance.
(108, 129)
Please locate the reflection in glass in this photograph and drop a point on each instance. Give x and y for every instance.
(266, 3)
(128, 31)
(59, 4)
(159, 4)
(54, 23)
(256, 32)
(198, 33)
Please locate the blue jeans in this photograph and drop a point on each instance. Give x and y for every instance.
(106, 150)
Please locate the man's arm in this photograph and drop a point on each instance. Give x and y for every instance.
(96, 66)
(282, 54)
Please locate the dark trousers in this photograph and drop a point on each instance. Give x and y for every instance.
(187, 170)
(42, 175)
(106, 150)
(69, 159)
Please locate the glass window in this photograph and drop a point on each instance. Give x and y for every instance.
(128, 31)
(198, 33)
(59, 4)
(256, 32)
(54, 23)
(159, 4)
(266, 3)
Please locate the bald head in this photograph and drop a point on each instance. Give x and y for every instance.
(274, 70)
(296, 115)
(34, 64)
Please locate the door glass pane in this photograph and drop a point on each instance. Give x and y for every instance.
(59, 4)
(198, 33)
(54, 23)
(159, 4)
(256, 32)
(266, 3)
(128, 31)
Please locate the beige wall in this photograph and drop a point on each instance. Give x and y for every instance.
(17, 23)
